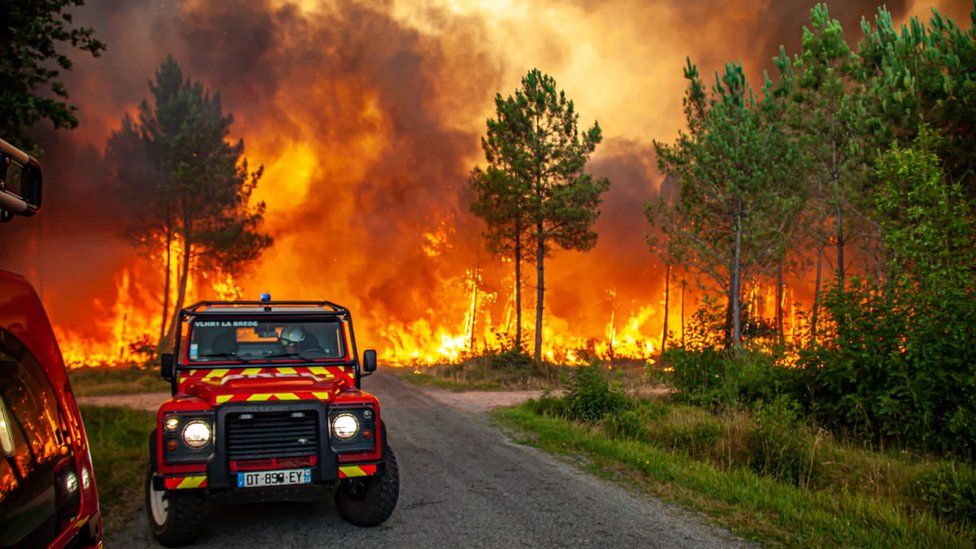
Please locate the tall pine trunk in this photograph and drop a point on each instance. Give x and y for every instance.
(682, 312)
(182, 281)
(815, 314)
(779, 305)
(737, 280)
(667, 296)
(518, 286)
(164, 324)
(838, 215)
(540, 290)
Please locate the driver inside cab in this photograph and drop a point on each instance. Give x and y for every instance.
(296, 341)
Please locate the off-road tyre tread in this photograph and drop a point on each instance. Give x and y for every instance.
(381, 500)
(184, 521)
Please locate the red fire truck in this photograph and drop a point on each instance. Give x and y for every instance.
(267, 403)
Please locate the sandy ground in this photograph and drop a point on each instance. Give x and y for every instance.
(468, 401)
(138, 401)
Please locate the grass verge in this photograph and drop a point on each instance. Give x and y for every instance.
(106, 380)
(751, 505)
(118, 447)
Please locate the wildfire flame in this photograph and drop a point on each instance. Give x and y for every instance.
(366, 146)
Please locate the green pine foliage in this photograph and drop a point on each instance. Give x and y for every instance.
(31, 60)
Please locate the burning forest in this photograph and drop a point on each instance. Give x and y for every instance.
(365, 118)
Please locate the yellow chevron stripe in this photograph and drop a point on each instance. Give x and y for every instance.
(191, 482)
(286, 370)
(216, 373)
(352, 471)
(223, 398)
(321, 395)
(286, 396)
(251, 371)
(320, 370)
(258, 397)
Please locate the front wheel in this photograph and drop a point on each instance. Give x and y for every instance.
(369, 501)
(175, 516)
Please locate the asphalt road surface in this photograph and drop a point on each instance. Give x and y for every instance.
(462, 484)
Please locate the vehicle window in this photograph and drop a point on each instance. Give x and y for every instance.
(32, 417)
(215, 340)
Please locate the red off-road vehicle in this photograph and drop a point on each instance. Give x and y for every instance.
(47, 486)
(267, 402)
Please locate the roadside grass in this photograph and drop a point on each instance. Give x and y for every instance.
(118, 438)
(117, 380)
(510, 372)
(707, 462)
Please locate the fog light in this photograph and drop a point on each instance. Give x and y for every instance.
(345, 426)
(171, 423)
(367, 414)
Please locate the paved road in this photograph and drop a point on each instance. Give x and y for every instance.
(462, 484)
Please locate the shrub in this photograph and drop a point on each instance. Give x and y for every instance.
(721, 378)
(783, 446)
(511, 360)
(628, 424)
(591, 397)
(950, 492)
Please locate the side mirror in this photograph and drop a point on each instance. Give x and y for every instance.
(167, 367)
(20, 183)
(369, 361)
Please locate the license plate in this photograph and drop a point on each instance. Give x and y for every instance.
(274, 478)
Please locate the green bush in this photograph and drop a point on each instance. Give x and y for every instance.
(950, 492)
(630, 424)
(713, 378)
(511, 360)
(591, 397)
(783, 446)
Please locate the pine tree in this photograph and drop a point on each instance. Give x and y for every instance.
(184, 182)
(736, 196)
(546, 154)
(501, 196)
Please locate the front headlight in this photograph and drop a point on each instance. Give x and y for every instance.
(345, 426)
(197, 434)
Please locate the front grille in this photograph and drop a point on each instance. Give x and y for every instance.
(261, 435)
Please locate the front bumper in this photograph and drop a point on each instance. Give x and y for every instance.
(199, 481)
(219, 474)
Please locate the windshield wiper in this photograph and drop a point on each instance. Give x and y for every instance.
(284, 355)
(232, 356)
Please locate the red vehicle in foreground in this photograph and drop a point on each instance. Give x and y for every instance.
(47, 485)
(267, 404)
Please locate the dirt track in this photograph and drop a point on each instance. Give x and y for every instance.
(463, 483)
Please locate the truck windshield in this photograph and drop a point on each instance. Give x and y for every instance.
(253, 340)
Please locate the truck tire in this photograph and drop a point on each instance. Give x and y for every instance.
(175, 516)
(369, 501)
